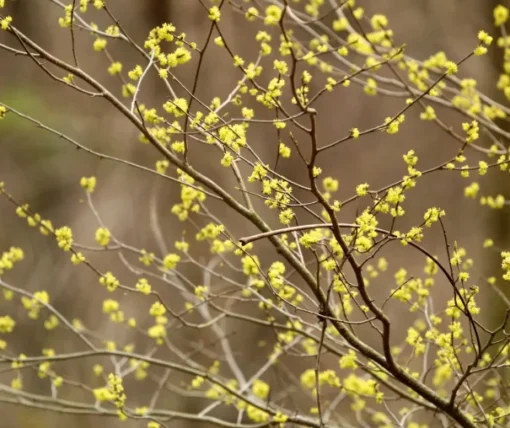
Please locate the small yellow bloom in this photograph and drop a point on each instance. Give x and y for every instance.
(115, 68)
(103, 236)
(485, 38)
(99, 44)
(451, 67)
(480, 50)
(4, 23)
(88, 183)
(501, 14)
(214, 14)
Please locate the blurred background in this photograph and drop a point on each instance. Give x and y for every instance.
(43, 170)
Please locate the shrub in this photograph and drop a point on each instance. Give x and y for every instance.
(307, 268)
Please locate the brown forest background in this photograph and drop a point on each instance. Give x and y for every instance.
(41, 169)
